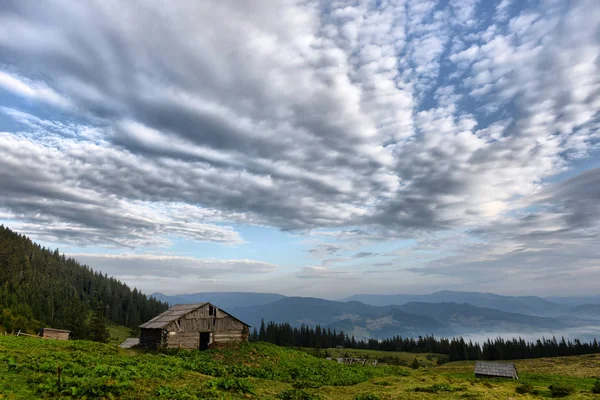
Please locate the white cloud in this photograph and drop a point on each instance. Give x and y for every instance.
(358, 122)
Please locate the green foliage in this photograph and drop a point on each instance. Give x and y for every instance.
(382, 383)
(367, 396)
(236, 385)
(297, 394)
(415, 364)
(596, 387)
(438, 387)
(99, 327)
(525, 388)
(40, 287)
(561, 390)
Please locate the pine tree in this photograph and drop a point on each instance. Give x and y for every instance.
(262, 333)
(98, 326)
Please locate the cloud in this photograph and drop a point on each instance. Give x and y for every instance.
(355, 123)
(171, 266)
(364, 254)
(319, 272)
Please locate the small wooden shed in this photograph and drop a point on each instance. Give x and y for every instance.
(192, 326)
(485, 369)
(58, 334)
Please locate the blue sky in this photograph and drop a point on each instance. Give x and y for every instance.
(308, 147)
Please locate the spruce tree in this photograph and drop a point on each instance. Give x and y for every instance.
(99, 326)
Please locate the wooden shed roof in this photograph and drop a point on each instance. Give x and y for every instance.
(176, 312)
(55, 330)
(507, 370)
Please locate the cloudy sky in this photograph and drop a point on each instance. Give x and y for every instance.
(318, 148)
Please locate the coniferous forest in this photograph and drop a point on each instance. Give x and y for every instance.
(456, 349)
(41, 287)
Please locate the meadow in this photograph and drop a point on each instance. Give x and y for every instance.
(29, 369)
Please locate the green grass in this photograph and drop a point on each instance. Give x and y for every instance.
(389, 357)
(28, 370)
(118, 334)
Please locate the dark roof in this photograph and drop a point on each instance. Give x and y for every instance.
(56, 330)
(508, 370)
(176, 312)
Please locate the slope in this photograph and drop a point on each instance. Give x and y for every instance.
(43, 285)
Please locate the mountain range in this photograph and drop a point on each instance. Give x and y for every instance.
(444, 313)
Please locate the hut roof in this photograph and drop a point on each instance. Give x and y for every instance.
(129, 343)
(507, 370)
(56, 330)
(176, 312)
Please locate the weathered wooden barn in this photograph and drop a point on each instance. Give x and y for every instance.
(58, 334)
(495, 370)
(192, 326)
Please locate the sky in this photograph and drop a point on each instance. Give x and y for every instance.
(313, 148)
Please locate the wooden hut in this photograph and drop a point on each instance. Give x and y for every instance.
(192, 326)
(495, 370)
(58, 334)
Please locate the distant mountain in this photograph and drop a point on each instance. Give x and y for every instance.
(410, 319)
(529, 305)
(575, 301)
(469, 318)
(586, 311)
(225, 300)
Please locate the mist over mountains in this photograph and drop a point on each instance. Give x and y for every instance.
(444, 313)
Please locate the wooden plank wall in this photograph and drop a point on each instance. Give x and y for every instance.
(151, 338)
(183, 340)
(227, 336)
(56, 335)
(201, 321)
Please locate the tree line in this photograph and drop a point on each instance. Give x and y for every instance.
(456, 349)
(41, 287)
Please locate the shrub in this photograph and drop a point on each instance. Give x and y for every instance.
(596, 387)
(242, 386)
(415, 364)
(561, 390)
(296, 394)
(524, 388)
(367, 396)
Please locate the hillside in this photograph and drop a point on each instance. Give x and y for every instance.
(28, 368)
(40, 287)
(413, 319)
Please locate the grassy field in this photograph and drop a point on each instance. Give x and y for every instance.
(118, 334)
(29, 370)
(389, 357)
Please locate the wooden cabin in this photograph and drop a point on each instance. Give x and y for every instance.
(58, 334)
(485, 369)
(192, 326)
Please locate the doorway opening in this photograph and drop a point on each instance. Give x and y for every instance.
(204, 340)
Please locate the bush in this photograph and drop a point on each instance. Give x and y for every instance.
(296, 394)
(415, 364)
(561, 390)
(241, 386)
(596, 388)
(367, 396)
(525, 388)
